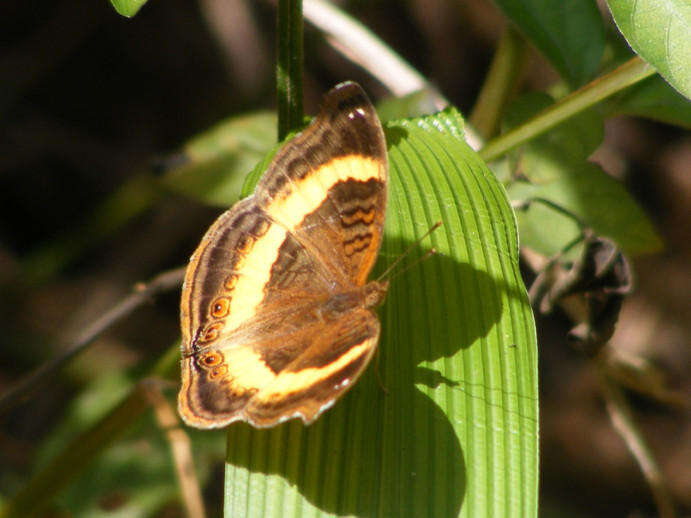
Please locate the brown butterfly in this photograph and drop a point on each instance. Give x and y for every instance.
(276, 311)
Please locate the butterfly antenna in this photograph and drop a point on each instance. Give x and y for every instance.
(430, 253)
(408, 250)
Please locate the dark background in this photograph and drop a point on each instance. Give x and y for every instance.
(88, 99)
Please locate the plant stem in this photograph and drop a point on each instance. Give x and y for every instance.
(45, 372)
(74, 457)
(289, 66)
(500, 82)
(625, 425)
(631, 72)
(360, 45)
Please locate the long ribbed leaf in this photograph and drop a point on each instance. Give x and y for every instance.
(455, 431)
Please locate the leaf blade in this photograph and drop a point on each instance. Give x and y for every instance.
(660, 32)
(569, 33)
(127, 8)
(456, 435)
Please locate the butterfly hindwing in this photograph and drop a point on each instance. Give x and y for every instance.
(271, 377)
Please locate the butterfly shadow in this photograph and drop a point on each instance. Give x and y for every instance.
(386, 448)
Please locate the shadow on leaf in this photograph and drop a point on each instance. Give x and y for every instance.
(384, 451)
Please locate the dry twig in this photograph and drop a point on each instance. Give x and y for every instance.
(141, 293)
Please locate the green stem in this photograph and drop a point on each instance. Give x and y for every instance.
(631, 72)
(289, 66)
(500, 83)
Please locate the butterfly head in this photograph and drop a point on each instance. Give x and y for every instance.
(375, 293)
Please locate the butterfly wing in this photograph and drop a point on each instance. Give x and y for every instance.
(266, 378)
(249, 278)
(244, 265)
(265, 337)
(328, 185)
(274, 325)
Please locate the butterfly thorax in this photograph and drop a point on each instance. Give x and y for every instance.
(369, 296)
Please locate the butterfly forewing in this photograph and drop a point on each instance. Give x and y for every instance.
(329, 185)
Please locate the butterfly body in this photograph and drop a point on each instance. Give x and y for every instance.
(277, 314)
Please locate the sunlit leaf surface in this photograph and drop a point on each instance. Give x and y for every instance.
(660, 31)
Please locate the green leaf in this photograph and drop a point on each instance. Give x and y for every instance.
(556, 169)
(455, 432)
(548, 231)
(259, 169)
(597, 199)
(569, 33)
(654, 99)
(211, 168)
(127, 8)
(213, 165)
(660, 32)
(414, 104)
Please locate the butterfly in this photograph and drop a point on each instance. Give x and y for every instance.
(278, 317)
